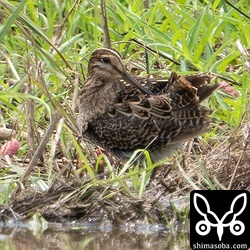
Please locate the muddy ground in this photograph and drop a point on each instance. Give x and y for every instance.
(224, 162)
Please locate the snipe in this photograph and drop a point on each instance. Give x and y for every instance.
(122, 113)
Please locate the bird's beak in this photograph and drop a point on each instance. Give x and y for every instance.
(128, 78)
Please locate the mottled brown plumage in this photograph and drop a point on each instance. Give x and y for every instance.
(122, 113)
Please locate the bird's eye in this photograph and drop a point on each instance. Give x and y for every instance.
(106, 59)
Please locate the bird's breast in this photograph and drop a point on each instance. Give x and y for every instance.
(94, 102)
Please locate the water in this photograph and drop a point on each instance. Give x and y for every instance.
(90, 237)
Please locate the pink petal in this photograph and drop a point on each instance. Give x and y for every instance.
(228, 88)
(10, 148)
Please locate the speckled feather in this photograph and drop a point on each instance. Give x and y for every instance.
(159, 114)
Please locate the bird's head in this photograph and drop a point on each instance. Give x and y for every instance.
(107, 65)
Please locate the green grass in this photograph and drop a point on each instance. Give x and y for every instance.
(45, 47)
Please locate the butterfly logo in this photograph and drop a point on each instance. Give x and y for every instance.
(203, 227)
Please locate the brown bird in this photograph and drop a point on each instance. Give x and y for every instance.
(122, 113)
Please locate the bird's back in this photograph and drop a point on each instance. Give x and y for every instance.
(159, 122)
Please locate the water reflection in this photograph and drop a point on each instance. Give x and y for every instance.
(90, 238)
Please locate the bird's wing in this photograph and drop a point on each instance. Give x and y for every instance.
(173, 95)
(133, 102)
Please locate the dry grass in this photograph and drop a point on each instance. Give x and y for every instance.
(199, 167)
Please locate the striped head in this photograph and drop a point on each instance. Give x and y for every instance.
(107, 66)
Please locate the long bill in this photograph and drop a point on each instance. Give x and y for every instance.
(128, 78)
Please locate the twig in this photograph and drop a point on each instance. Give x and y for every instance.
(55, 119)
(234, 7)
(68, 14)
(225, 79)
(235, 169)
(142, 152)
(246, 141)
(147, 61)
(106, 42)
(76, 91)
(29, 113)
(160, 54)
